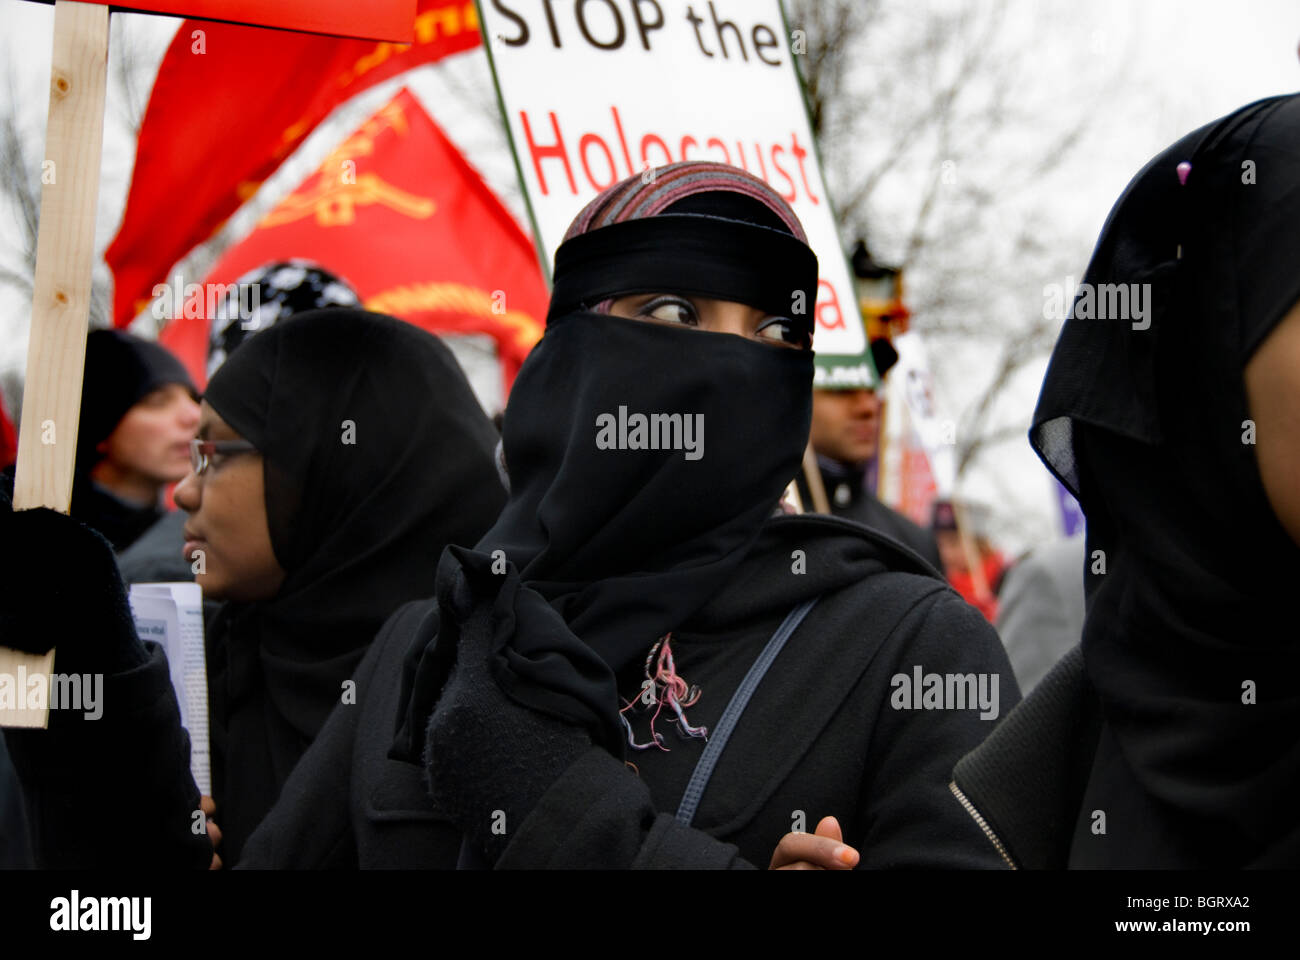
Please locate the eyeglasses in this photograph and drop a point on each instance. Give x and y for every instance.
(202, 451)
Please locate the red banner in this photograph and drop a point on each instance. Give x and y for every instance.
(8, 437)
(399, 214)
(917, 491)
(229, 104)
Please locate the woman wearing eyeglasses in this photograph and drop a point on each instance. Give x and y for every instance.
(338, 452)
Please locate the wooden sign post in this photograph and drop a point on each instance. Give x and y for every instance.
(812, 473)
(74, 136)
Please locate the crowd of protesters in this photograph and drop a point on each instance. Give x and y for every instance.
(562, 654)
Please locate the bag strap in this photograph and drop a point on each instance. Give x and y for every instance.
(739, 701)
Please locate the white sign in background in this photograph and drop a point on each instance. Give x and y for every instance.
(597, 90)
(911, 387)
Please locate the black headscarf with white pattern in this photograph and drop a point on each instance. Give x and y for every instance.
(283, 289)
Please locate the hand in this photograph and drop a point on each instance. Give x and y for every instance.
(489, 759)
(209, 807)
(86, 615)
(823, 849)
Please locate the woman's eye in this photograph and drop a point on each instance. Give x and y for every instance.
(671, 311)
(782, 331)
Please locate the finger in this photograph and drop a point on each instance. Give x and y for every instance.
(824, 853)
(820, 853)
(216, 863)
(214, 834)
(207, 805)
(829, 827)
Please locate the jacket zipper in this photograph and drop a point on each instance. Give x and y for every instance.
(983, 824)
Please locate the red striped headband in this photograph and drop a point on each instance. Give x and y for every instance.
(650, 194)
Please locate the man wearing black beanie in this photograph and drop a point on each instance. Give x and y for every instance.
(138, 415)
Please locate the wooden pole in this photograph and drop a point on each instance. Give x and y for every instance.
(65, 250)
(882, 445)
(813, 474)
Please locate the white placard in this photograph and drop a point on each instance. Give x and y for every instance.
(596, 90)
(911, 388)
(171, 615)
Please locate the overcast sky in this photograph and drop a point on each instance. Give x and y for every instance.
(1190, 61)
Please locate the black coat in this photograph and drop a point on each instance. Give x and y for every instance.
(346, 805)
(819, 737)
(121, 759)
(128, 771)
(156, 556)
(15, 851)
(1025, 783)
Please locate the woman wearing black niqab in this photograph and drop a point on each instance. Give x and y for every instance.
(627, 571)
(1185, 716)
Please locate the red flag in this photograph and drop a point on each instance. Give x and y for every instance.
(229, 104)
(399, 214)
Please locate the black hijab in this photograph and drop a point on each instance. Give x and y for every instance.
(376, 455)
(626, 544)
(1145, 424)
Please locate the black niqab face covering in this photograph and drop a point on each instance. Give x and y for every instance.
(1190, 576)
(623, 541)
(376, 455)
(628, 542)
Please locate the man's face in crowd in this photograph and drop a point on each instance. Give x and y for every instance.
(153, 439)
(846, 424)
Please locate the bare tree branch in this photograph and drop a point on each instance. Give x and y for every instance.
(123, 59)
(21, 183)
